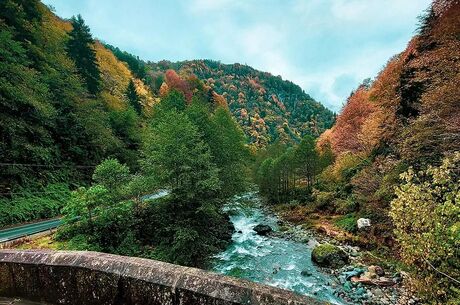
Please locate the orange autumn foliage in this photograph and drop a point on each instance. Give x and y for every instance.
(345, 133)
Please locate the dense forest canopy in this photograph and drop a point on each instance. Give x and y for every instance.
(267, 107)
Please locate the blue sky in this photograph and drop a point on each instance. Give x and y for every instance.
(326, 46)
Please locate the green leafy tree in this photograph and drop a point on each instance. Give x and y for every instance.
(266, 179)
(229, 151)
(177, 156)
(80, 49)
(307, 159)
(426, 215)
(226, 142)
(86, 203)
(26, 116)
(174, 100)
(112, 175)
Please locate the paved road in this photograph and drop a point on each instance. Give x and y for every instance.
(33, 228)
(17, 301)
(25, 230)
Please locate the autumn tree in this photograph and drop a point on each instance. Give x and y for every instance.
(426, 213)
(350, 122)
(174, 81)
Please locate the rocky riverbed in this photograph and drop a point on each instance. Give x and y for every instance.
(269, 250)
(354, 282)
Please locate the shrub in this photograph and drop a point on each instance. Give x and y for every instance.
(426, 215)
(324, 200)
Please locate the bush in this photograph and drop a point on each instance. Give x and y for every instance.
(324, 200)
(426, 215)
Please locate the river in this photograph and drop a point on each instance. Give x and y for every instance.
(268, 259)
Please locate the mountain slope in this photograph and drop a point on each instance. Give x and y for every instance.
(49, 123)
(267, 107)
(396, 144)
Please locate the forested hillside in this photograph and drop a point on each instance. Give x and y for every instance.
(267, 107)
(63, 99)
(393, 155)
(83, 136)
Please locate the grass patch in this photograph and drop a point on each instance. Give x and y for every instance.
(347, 223)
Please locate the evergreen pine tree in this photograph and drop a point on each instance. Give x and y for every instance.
(79, 48)
(133, 98)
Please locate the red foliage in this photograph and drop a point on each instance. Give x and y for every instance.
(174, 81)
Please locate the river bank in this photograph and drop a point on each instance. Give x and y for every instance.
(361, 262)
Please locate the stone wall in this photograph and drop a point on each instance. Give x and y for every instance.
(74, 277)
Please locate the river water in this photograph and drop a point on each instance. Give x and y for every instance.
(267, 259)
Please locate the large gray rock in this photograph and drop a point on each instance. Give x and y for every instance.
(327, 255)
(363, 223)
(262, 229)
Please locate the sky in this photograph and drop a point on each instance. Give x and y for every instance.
(327, 47)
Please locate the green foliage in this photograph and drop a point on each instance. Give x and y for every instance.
(174, 100)
(229, 152)
(307, 160)
(27, 206)
(345, 206)
(177, 156)
(347, 222)
(80, 49)
(324, 200)
(133, 98)
(426, 215)
(47, 117)
(22, 95)
(112, 175)
(187, 233)
(86, 203)
(290, 173)
(136, 65)
(190, 150)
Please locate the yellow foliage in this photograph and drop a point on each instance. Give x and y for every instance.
(335, 172)
(164, 89)
(146, 97)
(115, 77)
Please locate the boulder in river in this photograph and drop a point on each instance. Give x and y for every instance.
(327, 255)
(306, 273)
(262, 229)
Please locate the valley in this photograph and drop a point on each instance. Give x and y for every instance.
(182, 165)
